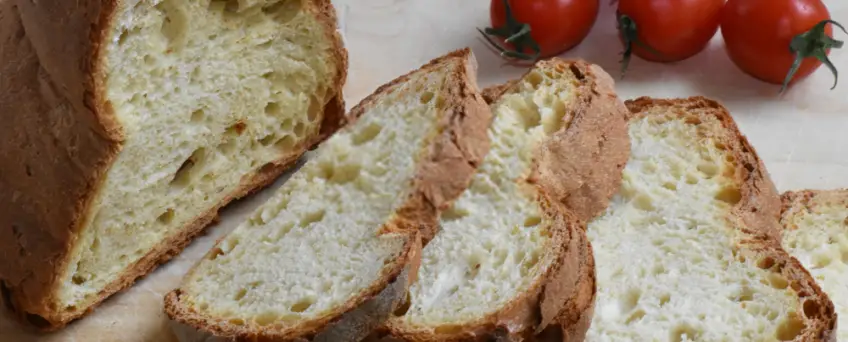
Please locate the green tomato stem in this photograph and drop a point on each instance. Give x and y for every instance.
(813, 43)
(515, 33)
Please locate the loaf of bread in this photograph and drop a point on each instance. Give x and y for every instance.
(509, 260)
(128, 124)
(815, 232)
(688, 250)
(331, 255)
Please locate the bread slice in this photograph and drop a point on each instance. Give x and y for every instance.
(815, 232)
(128, 124)
(509, 257)
(689, 250)
(330, 256)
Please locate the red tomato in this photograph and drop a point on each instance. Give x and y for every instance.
(667, 31)
(759, 34)
(555, 26)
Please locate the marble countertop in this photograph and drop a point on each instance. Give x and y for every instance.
(799, 135)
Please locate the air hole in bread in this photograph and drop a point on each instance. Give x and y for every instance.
(693, 120)
(664, 299)
(778, 281)
(635, 316)
(174, 22)
(215, 253)
(345, 173)
(532, 221)
(534, 78)
(447, 329)
(78, 279)
(670, 186)
(790, 328)
(300, 129)
(166, 217)
(643, 202)
(427, 96)
(285, 143)
(684, 332)
(198, 116)
(240, 294)
(236, 321)
(821, 260)
(312, 217)
(366, 134)
(184, 174)
(302, 305)
(314, 110)
(745, 294)
(765, 263)
(709, 170)
(272, 108)
(812, 309)
(404, 306)
(265, 318)
(630, 300)
(454, 213)
(729, 195)
(283, 11)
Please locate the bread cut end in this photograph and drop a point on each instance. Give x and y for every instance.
(676, 257)
(207, 93)
(816, 233)
(334, 235)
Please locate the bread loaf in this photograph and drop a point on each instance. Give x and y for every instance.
(129, 124)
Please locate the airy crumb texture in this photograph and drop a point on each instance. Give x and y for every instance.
(501, 242)
(686, 250)
(347, 223)
(153, 114)
(816, 233)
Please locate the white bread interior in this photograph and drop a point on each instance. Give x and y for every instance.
(667, 250)
(816, 233)
(206, 92)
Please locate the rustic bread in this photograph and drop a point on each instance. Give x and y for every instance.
(128, 124)
(688, 250)
(815, 232)
(330, 256)
(507, 252)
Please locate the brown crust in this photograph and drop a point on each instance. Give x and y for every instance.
(591, 151)
(459, 145)
(758, 210)
(64, 133)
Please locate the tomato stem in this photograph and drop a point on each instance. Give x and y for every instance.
(813, 43)
(630, 36)
(515, 33)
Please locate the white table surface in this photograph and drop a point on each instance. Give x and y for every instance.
(800, 136)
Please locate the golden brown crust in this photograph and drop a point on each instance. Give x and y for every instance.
(459, 145)
(62, 132)
(758, 210)
(590, 152)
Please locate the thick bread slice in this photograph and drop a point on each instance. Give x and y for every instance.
(128, 124)
(330, 256)
(510, 257)
(688, 250)
(815, 232)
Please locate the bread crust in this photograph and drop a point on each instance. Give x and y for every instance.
(559, 306)
(450, 159)
(63, 134)
(759, 210)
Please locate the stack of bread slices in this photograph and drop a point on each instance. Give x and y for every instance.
(542, 209)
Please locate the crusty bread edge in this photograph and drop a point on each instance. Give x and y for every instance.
(759, 210)
(46, 318)
(791, 199)
(560, 306)
(461, 140)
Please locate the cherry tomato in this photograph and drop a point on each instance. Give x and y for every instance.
(667, 31)
(555, 26)
(765, 38)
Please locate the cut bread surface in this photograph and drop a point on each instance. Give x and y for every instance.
(686, 250)
(501, 242)
(177, 108)
(346, 225)
(816, 233)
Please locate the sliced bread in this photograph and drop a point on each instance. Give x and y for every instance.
(688, 248)
(330, 256)
(128, 124)
(815, 232)
(509, 259)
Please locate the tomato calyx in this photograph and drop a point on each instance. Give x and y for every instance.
(515, 33)
(813, 43)
(630, 36)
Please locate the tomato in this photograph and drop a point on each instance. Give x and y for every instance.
(555, 26)
(765, 37)
(666, 31)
